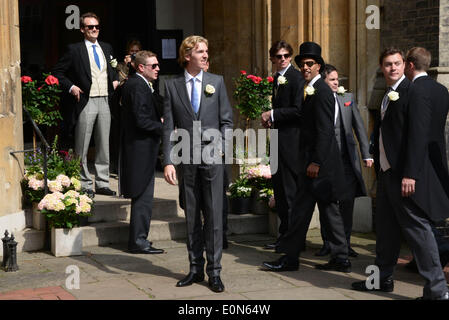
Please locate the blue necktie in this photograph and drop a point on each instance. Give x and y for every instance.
(195, 98)
(96, 57)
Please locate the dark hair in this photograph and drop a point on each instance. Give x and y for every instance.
(132, 43)
(389, 52)
(278, 45)
(88, 15)
(328, 68)
(420, 57)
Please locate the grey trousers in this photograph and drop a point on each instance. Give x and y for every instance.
(94, 119)
(395, 214)
(203, 192)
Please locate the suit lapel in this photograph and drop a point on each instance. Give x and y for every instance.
(181, 88)
(393, 105)
(344, 111)
(204, 83)
(85, 59)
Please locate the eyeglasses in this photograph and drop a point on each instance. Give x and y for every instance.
(310, 64)
(91, 27)
(286, 56)
(153, 66)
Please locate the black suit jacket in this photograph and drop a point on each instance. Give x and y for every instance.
(142, 130)
(319, 145)
(287, 103)
(412, 130)
(73, 68)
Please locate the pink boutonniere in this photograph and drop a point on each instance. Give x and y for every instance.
(348, 104)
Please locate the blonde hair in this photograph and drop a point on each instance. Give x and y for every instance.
(187, 46)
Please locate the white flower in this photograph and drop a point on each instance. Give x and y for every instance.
(114, 63)
(341, 90)
(210, 89)
(282, 80)
(393, 96)
(310, 91)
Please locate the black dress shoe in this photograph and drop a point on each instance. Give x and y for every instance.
(324, 251)
(105, 192)
(335, 265)
(190, 278)
(89, 192)
(352, 253)
(215, 284)
(282, 264)
(386, 285)
(148, 250)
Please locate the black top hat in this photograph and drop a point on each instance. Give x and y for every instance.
(310, 50)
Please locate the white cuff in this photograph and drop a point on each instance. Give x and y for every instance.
(272, 115)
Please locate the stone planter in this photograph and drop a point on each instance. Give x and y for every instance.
(66, 242)
(39, 221)
(241, 205)
(259, 207)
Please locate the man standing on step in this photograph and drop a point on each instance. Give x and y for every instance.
(86, 75)
(197, 101)
(142, 130)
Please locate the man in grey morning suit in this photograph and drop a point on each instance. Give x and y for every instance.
(88, 79)
(198, 98)
(347, 118)
(409, 188)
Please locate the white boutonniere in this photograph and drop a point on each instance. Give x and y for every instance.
(393, 96)
(282, 81)
(113, 62)
(310, 91)
(209, 90)
(341, 90)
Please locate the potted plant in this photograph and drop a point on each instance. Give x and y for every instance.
(240, 196)
(41, 99)
(259, 178)
(63, 172)
(62, 211)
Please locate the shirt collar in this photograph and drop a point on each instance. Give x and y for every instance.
(90, 44)
(148, 83)
(283, 71)
(422, 74)
(396, 85)
(312, 82)
(189, 77)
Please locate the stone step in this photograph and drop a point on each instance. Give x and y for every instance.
(106, 233)
(110, 209)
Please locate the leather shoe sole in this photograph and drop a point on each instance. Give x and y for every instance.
(190, 279)
(150, 250)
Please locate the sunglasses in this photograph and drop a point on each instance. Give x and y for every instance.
(153, 66)
(286, 56)
(310, 64)
(91, 27)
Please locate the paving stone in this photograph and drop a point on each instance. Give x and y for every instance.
(115, 289)
(304, 293)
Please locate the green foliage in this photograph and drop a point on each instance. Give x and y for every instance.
(253, 95)
(240, 188)
(42, 101)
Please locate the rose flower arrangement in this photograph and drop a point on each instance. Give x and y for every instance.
(259, 178)
(253, 94)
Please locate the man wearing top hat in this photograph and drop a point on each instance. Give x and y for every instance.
(321, 170)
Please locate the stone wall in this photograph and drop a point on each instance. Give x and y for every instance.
(408, 23)
(11, 132)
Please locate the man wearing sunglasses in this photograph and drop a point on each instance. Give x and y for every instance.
(142, 130)
(285, 117)
(88, 81)
(321, 170)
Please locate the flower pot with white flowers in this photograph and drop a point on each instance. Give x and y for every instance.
(62, 212)
(240, 196)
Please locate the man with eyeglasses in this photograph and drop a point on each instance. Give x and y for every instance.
(285, 117)
(197, 98)
(142, 130)
(321, 170)
(88, 80)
